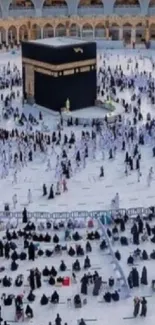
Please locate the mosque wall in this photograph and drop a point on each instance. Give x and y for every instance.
(88, 19)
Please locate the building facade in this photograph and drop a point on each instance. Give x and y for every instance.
(127, 20)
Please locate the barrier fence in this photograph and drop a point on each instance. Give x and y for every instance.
(75, 214)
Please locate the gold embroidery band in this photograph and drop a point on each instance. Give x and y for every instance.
(60, 67)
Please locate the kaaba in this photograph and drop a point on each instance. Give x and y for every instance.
(59, 70)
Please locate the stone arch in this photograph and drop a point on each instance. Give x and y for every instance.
(54, 3)
(127, 32)
(36, 31)
(23, 33)
(60, 30)
(114, 32)
(152, 3)
(87, 31)
(48, 31)
(152, 32)
(89, 3)
(3, 35)
(20, 4)
(140, 33)
(100, 31)
(74, 30)
(126, 3)
(12, 34)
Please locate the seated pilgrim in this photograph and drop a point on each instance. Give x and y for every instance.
(115, 234)
(118, 255)
(60, 279)
(144, 255)
(76, 266)
(107, 297)
(7, 282)
(19, 280)
(46, 271)
(67, 234)
(7, 300)
(14, 235)
(57, 249)
(90, 235)
(97, 235)
(47, 238)
(79, 251)
(55, 239)
(63, 267)
(53, 271)
(87, 264)
(111, 282)
(14, 256)
(103, 245)
(51, 281)
(14, 266)
(88, 247)
(76, 236)
(40, 252)
(54, 298)
(23, 256)
(152, 255)
(44, 300)
(124, 241)
(29, 312)
(82, 322)
(48, 253)
(48, 225)
(77, 301)
(30, 226)
(115, 296)
(71, 251)
(130, 260)
(31, 296)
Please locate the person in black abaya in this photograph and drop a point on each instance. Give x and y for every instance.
(24, 213)
(84, 285)
(44, 190)
(51, 194)
(144, 276)
(38, 278)
(32, 280)
(143, 307)
(31, 252)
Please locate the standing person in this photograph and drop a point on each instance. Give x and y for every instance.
(150, 177)
(29, 196)
(64, 185)
(143, 307)
(138, 175)
(15, 177)
(14, 199)
(136, 306)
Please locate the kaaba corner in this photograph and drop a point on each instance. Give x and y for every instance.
(59, 73)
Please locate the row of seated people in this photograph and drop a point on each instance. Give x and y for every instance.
(108, 296)
(30, 233)
(54, 299)
(7, 281)
(142, 255)
(71, 224)
(76, 265)
(79, 251)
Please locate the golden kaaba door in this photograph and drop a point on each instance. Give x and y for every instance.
(29, 80)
